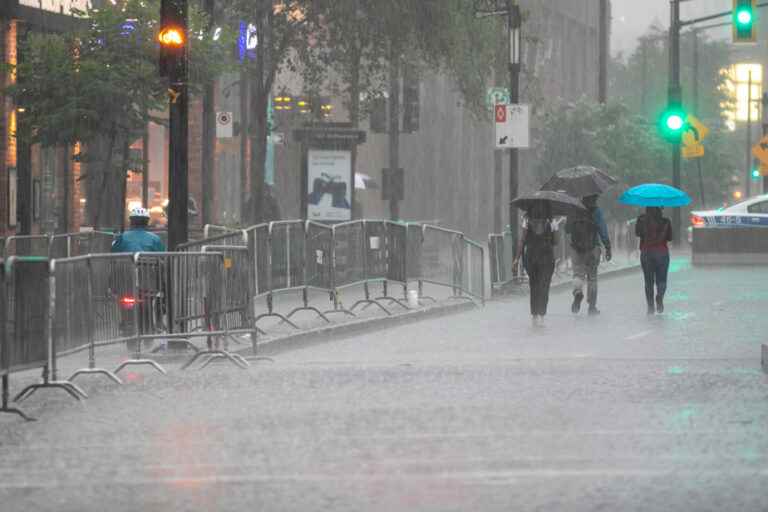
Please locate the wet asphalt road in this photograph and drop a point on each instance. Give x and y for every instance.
(479, 411)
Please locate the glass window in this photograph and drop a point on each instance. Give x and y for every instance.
(758, 207)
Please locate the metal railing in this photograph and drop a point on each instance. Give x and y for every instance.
(58, 246)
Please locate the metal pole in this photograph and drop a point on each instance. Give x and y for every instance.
(644, 76)
(178, 180)
(695, 34)
(145, 165)
(514, 98)
(209, 134)
(675, 94)
(245, 92)
(748, 161)
(602, 86)
(394, 124)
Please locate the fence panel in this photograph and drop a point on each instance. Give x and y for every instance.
(235, 309)
(441, 256)
(501, 255)
(72, 314)
(473, 269)
(94, 242)
(211, 230)
(376, 250)
(29, 298)
(348, 253)
(318, 256)
(287, 252)
(3, 324)
(415, 239)
(397, 252)
(258, 247)
(114, 297)
(27, 245)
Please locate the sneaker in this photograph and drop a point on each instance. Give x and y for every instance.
(534, 321)
(593, 310)
(651, 309)
(577, 298)
(659, 304)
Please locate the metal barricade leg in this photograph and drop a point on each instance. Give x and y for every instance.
(70, 388)
(391, 299)
(12, 410)
(307, 307)
(271, 313)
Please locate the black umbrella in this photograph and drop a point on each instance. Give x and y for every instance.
(581, 181)
(562, 204)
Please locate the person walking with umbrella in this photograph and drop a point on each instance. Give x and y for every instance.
(655, 233)
(537, 244)
(587, 230)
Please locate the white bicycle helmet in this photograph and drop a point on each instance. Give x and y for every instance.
(139, 212)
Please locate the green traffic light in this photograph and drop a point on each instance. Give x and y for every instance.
(755, 173)
(744, 16)
(675, 122)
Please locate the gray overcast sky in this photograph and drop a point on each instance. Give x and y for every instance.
(631, 18)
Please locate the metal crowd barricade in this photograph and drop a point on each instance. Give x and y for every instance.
(231, 238)
(443, 259)
(473, 269)
(4, 356)
(229, 307)
(94, 299)
(29, 342)
(92, 242)
(27, 245)
(351, 250)
(212, 230)
(396, 261)
(316, 263)
(383, 259)
(278, 249)
(501, 256)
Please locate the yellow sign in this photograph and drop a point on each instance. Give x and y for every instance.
(760, 151)
(228, 263)
(694, 150)
(700, 131)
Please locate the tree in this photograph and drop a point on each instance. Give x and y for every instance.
(98, 86)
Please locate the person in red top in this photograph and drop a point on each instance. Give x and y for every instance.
(655, 231)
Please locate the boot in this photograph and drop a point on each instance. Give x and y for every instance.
(577, 298)
(660, 304)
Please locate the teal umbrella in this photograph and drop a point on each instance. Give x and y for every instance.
(655, 194)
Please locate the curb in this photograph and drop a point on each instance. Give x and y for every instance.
(350, 329)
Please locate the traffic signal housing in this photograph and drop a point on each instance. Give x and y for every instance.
(672, 124)
(173, 37)
(744, 18)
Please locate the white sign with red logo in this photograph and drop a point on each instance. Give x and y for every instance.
(512, 126)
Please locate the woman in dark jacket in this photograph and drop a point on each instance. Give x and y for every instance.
(537, 248)
(655, 231)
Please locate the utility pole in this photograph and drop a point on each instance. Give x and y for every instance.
(209, 131)
(605, 29)
(514, 22)
(695, 34)
(675, 97)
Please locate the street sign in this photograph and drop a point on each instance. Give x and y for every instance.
(497, 96)
(760, 151)
(512, 126)
(695, 150)
(695, 132)
(224, 125)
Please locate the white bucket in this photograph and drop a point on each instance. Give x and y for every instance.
(413, 298)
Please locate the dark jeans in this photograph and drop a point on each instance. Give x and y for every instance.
(540, 268)
(655, 268)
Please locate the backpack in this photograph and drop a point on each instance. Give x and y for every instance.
(583, 233)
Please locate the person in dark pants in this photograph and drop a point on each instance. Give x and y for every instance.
(655, 232)
(537, 248)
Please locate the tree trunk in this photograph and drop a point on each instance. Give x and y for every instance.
(258, 153)
(354, 118)
(106, 178)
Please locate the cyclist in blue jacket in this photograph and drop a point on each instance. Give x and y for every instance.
(137, 238)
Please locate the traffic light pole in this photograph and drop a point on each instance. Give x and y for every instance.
(513, 23)
(178, 184)
(675, 95)
(748, 161)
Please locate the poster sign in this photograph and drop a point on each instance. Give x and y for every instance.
(224, 125)
(329, 185)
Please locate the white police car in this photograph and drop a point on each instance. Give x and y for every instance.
(752, 212)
